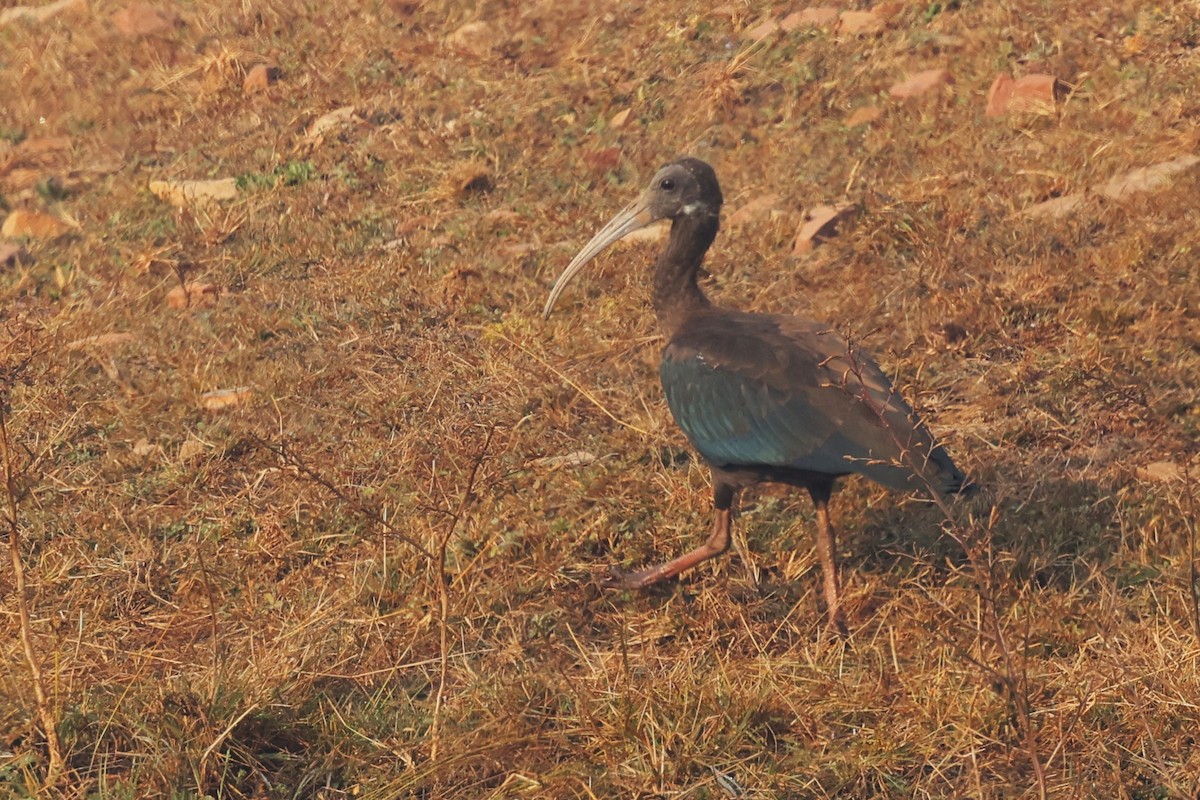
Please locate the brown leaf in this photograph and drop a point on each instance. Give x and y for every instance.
(193, 295)
(221, 399)
(1161, 472)
(260, 77)
(338, 118)
(39, 13)
(815, 17)
(620, 118)
(602, 160)
(753, 209)
(761, 31)
(101, 340)
(863, 116)
(821, 224)
(1146, 179)
(34, 224)
(860, 22)
(13, 255)
(194, 193)
(1038, 94)
(921, 83)
(144, 19)
(1056, 206)
(471, 177)
(474, 37)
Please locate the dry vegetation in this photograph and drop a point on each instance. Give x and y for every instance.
(372, 576)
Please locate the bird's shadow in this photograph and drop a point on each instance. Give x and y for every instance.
(1052, 535)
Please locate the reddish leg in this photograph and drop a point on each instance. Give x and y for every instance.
(717, 543)
(827, 552)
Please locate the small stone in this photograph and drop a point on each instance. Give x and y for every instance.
(921, 83)
(260, 77)
(193, 295)
(143, 19)
(225, 398)
(13, 255)
(192, 193)
(816, 17)
(34, 224)
(860, 22)
(822, 224)
(863, 116)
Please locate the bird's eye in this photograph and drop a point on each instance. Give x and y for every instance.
(666, 184)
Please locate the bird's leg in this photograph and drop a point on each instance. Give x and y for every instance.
(827, 552)
(717, 543)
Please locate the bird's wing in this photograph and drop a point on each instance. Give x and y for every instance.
(752, 389)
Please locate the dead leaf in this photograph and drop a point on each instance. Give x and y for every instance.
(921, 83)
(1056, 206)
(821, 224)
(193, 193)
(338, 118)
(753, 209)
(101, 340)
(1146, 179)
(1037, 94)
(34, 224)
(620, 118)
(1143, 179)
(815, 17)
(191, 448)
(260, 77)
(474, 37)
(761, 31)
(39, 13)
(221, 399)
(860, 22)
(1161, 471)
(143, 19)
(193, 295)
(602, 160)
(863, 116)
(13, 255)
(470, 177)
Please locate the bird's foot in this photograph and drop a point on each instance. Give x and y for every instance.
(836, 625)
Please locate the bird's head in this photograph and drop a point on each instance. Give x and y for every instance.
(686, 187)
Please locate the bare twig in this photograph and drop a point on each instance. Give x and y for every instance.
(45, 712)
(289, 457)
(443, 585)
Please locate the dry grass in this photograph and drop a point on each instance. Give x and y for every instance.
(255, 602)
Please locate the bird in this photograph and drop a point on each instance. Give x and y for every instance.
(763, 398)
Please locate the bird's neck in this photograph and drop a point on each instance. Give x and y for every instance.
(676, 293)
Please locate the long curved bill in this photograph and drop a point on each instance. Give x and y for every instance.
(635, 215)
